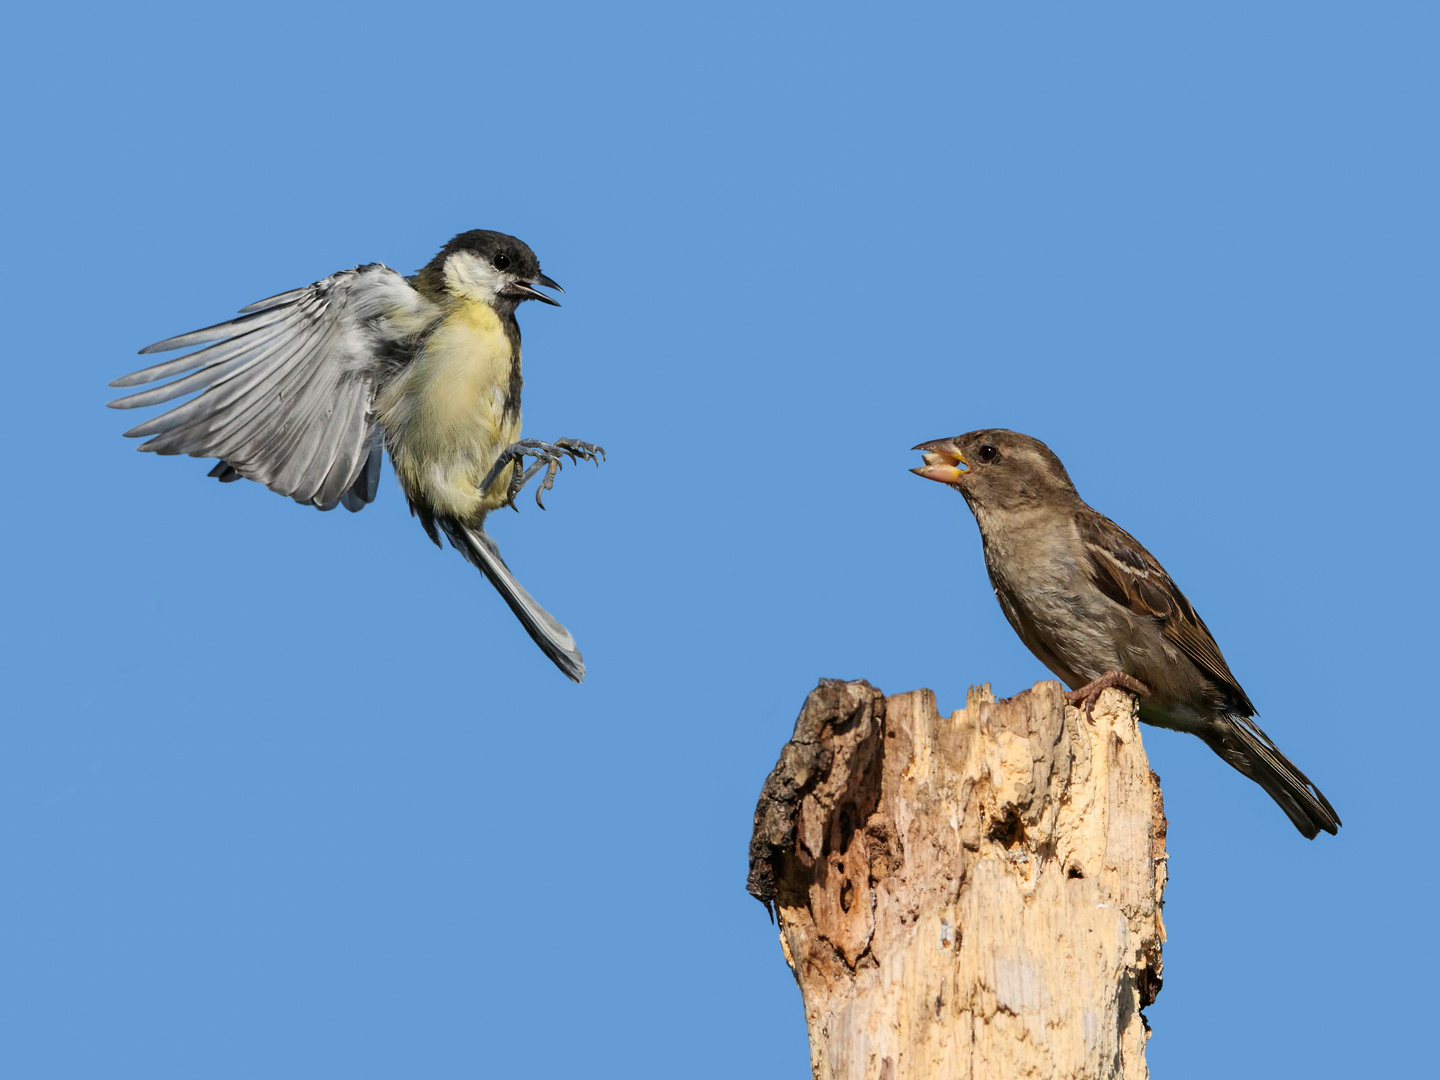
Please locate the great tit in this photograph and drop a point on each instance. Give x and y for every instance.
(304, 390)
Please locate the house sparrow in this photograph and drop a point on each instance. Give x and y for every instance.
(1098, 610)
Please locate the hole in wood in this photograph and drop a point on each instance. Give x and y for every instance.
(1008, 831)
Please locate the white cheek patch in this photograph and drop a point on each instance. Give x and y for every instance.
(472, 277)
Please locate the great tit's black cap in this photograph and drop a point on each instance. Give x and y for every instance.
(504, 252)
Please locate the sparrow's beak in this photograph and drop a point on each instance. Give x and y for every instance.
(943, 462)
(524, 291)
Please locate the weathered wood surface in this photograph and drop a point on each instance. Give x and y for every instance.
(974, 896)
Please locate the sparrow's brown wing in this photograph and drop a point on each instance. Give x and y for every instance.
(1128, 574)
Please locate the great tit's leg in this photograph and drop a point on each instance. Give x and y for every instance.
(1084, 697)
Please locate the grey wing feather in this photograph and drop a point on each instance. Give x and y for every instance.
(228, 329)
(237, 343)
(285, 390)
(273, 301)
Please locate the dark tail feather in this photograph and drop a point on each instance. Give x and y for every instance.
(554, 640)
(1250, 750)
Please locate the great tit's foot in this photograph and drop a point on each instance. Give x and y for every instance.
(578, 451)
(1084, 698)
(548, 456)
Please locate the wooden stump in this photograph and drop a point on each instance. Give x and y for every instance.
(974, 896)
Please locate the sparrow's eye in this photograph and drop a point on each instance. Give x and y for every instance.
(501, 261)
(987, 453)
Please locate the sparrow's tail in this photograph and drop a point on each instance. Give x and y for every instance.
(554, 640)
(1241, 742)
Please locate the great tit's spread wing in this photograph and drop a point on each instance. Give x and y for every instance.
(286, 389)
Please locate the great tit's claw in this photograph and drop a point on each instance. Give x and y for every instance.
(579, 448)
(546, 484)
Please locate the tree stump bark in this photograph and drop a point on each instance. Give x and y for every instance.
(974, 896)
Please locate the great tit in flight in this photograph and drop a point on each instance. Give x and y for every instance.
(303, 391)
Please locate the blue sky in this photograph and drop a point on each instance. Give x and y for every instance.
(290, 794)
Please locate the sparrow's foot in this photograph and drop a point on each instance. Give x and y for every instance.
(1084, 698)
(548, 456)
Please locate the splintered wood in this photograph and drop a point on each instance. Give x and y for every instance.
(974, 896)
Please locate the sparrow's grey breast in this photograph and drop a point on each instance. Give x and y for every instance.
(1038, 573)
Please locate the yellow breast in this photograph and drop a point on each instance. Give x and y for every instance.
(445, 417)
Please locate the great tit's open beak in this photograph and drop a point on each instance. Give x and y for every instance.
(943, 462)
(524, 291)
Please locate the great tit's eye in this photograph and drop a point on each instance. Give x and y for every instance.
(987, 453)
(501, 261)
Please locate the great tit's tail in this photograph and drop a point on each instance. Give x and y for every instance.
(554, 640)
(1241, 742)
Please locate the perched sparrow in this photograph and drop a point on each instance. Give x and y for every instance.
(304, 390)
(1098, 610)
